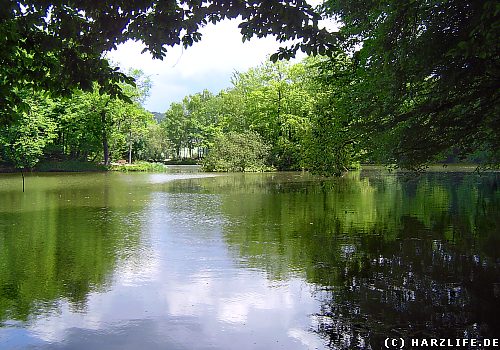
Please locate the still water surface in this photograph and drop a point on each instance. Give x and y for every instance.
(187, 260)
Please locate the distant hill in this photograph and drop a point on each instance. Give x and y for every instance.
(158, 116)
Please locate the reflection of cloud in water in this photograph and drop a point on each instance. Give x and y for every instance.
(231, 298)
(160, 178)
(194, 311)
(309, 340)
(53, 328)
(237, 308)
(190, 297)
(185, 291)
(139, 270)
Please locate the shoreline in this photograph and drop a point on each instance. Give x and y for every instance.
(83, 167)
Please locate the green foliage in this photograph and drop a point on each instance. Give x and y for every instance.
(408, 83)
(427, 77)
(58, 46)
(191, 123)
(175, 128)
(24, 140)
(83, 127)
(271, 100)
(237, 152)
(327, 150)
(411, 83)
(140, 166)
(332, 144)
(95, 125)
(155, 144)
(276, 103)
(295, 109)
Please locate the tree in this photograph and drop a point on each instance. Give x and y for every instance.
(276, 104)
(130, 127)
(23, 141)
(96, 109)
(427, 76)
(93, 124)
(79, 127)
(332, 144)
(155, 146)
(173, 125)
(192, 123)
(133, 118)
(58, 46)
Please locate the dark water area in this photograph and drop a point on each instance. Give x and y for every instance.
(187, 260)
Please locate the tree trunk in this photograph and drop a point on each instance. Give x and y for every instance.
(105, 146)
(280, 128)
(63, 142)
(130, 148)
(105, 149)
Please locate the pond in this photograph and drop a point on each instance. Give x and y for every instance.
(187, 260)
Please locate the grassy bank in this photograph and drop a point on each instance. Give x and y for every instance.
(139, 167)
(79, 166)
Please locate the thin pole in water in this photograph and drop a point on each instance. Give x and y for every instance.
(22, 174)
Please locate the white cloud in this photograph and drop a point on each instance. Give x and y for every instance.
(208, 64)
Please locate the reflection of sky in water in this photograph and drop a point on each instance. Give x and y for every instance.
(181, 290)
(170, 265)
(161, 178)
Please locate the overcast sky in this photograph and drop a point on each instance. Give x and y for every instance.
(208, 64)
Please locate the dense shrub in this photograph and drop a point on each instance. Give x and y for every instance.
(238, 152)
(140, 167)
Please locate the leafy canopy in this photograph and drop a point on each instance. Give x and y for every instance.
(427, 76)
(58, 45)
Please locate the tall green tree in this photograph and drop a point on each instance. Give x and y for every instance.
(193, 123)
(276, 104)
(332, 144)
(95, 124)
(155, 143)
(174, 126)
(428, 75)
(131, 117)
(24, 140)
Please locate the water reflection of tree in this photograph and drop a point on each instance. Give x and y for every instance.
(389, 257)
(410, 287)
(59, 243)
